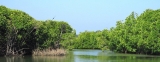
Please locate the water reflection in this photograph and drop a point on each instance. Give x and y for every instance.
(12, 59)
(109, 56)
(50, 59)
(85, 55)
(37, 59)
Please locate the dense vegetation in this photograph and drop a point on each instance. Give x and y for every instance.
(137, 34)
(92, 40)
(21, 34)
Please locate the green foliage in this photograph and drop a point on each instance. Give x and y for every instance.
(137, 34)
(16, 27)
(92, 40)
(19, 31)
(68, 41)
(50, 31)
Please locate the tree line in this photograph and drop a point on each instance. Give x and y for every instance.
(138, 34)
(21, 34)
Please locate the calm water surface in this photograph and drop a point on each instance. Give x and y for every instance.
(85, 55)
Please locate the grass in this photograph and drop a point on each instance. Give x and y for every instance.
(48, 52)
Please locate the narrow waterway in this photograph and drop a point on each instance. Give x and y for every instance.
(85, 55)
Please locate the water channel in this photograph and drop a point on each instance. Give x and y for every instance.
(85, 55)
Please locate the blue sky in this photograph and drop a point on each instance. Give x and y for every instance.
(82, 15)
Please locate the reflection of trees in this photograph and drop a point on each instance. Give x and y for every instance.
(87, 56)
(67, 58)
(109, 56)
(101, 57)
(49, 58)
(15, 59)
(117, 57)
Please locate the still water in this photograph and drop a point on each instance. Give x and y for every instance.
(85, 55)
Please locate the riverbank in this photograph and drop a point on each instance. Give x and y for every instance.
(49, 52)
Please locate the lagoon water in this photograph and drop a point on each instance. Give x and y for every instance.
(85, 55)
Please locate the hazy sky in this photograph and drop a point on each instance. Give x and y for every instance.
(82, 15)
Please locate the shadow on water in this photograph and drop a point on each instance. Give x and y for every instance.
(51, 59)
(109, 56)
(85, 55)
(12, 59)
(37, 59)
